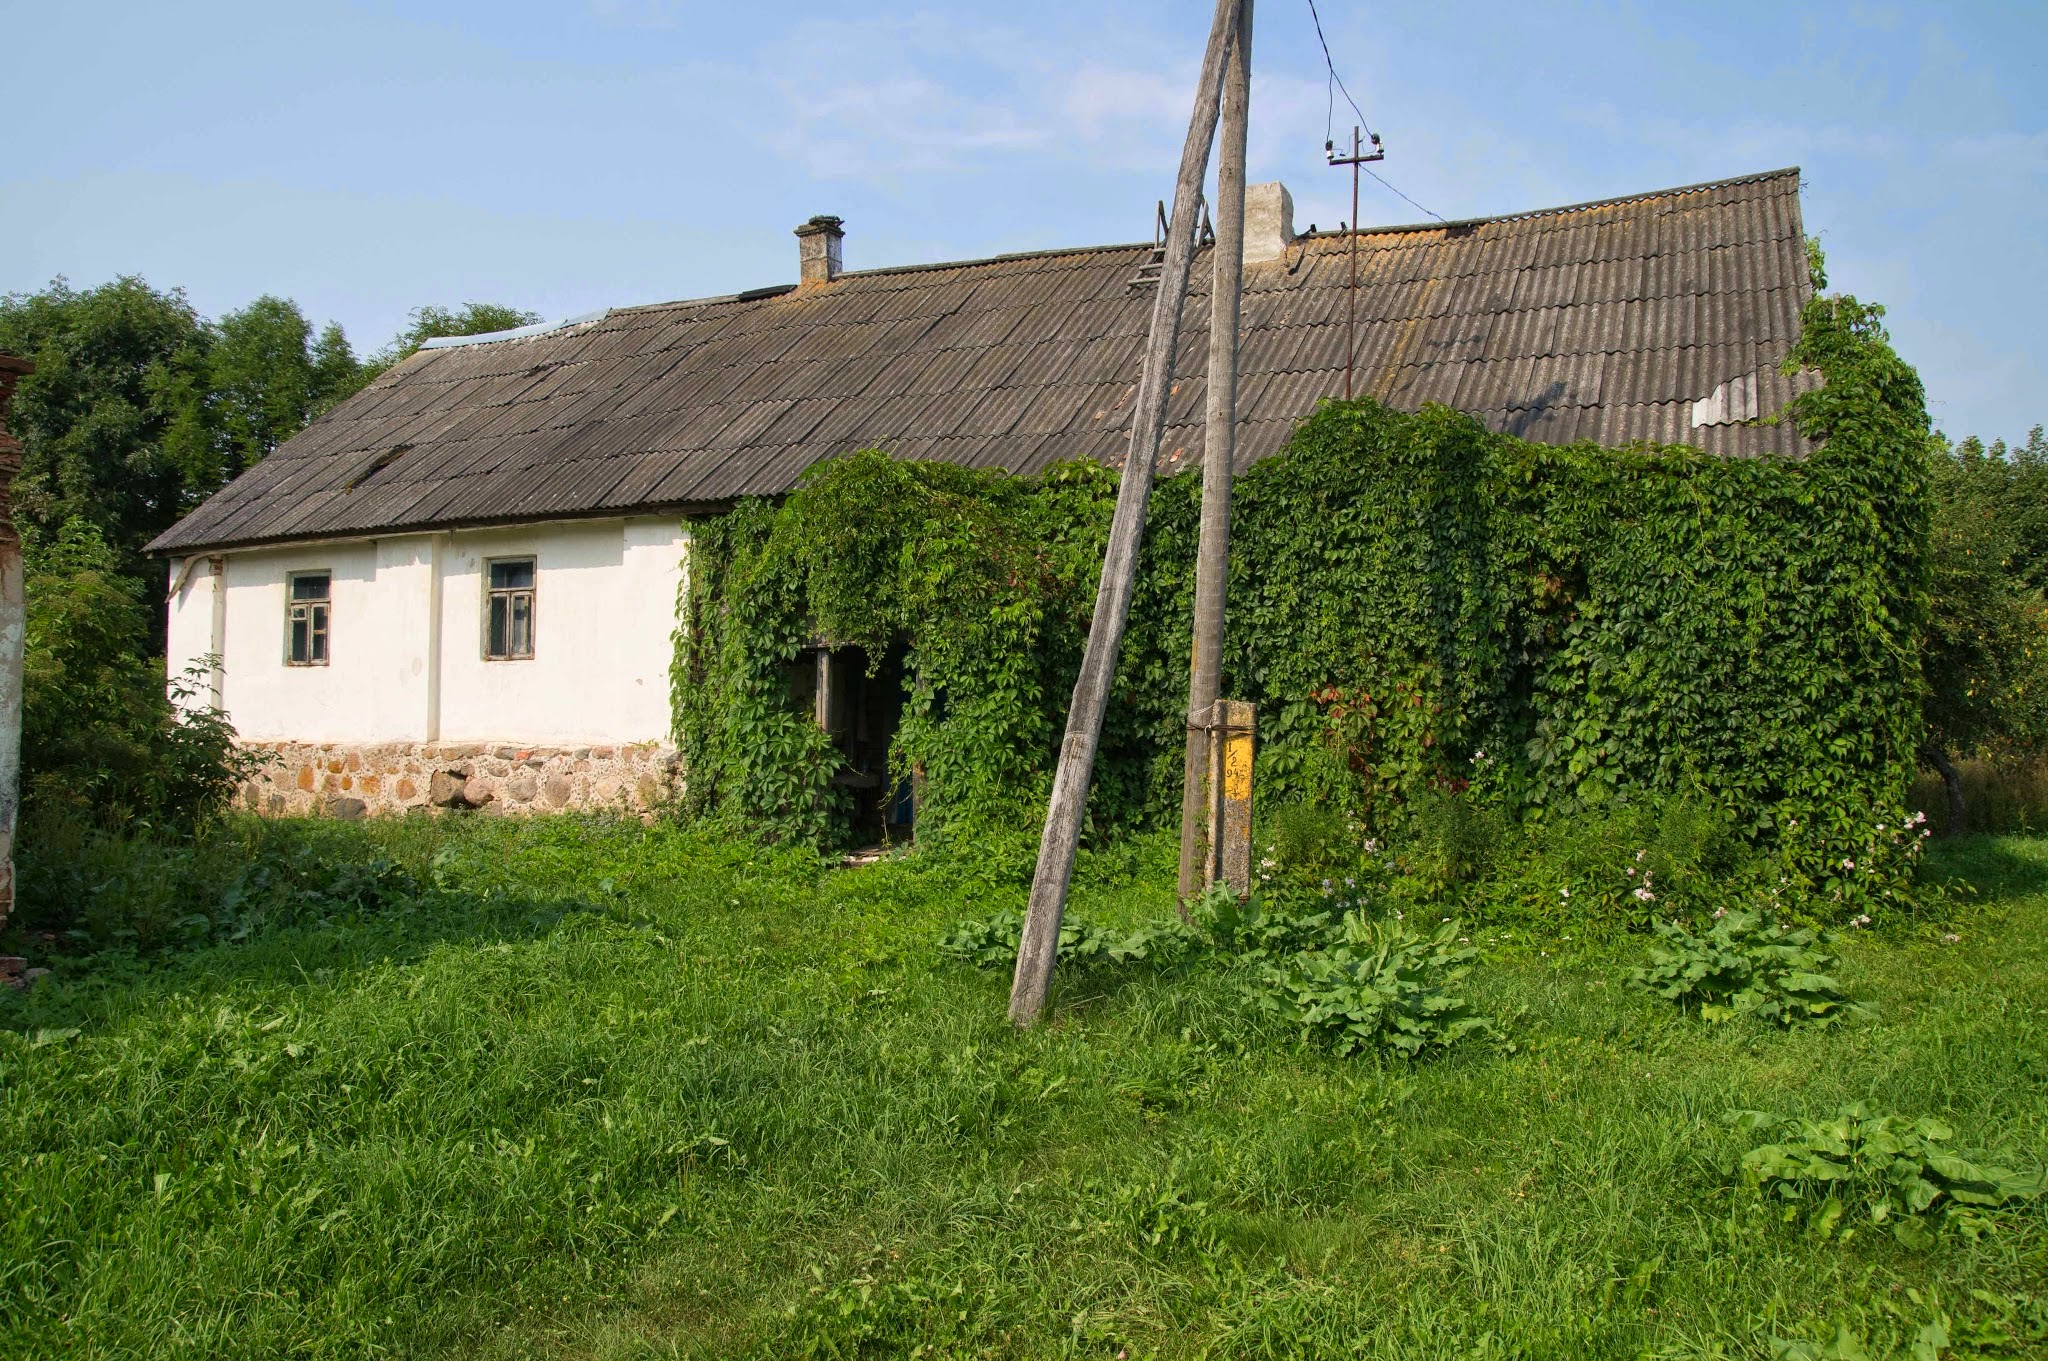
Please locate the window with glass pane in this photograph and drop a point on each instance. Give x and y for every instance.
(508, 626)
(306, 617)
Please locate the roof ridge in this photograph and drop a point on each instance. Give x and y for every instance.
(776, 290)
(1756, 177)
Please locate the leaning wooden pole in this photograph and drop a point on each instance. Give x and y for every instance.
(1219, 448)
(1039, 949)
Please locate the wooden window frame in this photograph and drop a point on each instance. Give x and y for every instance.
(493, 593)
(318, 613)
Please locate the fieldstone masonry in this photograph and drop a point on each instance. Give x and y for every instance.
(352, 780)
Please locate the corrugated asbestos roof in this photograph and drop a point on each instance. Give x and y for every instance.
(1602, 322)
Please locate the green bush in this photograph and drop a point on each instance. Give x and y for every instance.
(104, 739)
(1379, 986)
(1747, 964)
(1308, 838)
(1884, 1169)
(134, 888)
(1455, 837)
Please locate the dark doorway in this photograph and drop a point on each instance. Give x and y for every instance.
(861, 712)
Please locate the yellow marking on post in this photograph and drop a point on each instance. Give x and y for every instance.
(1237, 767)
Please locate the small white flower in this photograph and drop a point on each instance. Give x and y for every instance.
(1639, 857)
(1644, 895)
(1564, 893)
(1848, 864)
(1951, 938)
(1720, 912)
(1631, 872)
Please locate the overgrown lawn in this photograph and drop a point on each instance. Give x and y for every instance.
(600, 1091)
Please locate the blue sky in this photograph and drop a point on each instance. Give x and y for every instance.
(366, 158)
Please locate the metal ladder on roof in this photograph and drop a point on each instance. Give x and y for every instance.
(1155, 263)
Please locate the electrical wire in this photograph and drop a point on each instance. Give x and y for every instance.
(1335, 82)
(1404, 198)
(1331, 88)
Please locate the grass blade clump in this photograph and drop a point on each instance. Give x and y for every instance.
(1896, 1171)
(1747, 964)
(991, 942)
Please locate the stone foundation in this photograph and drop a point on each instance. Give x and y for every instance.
(352, 780)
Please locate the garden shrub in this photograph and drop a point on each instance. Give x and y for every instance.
(104, 739)
(1446, 632)
(132, 888)
(1746, 964)
(1884, 1169)
(1379, 985)
(1307, 836)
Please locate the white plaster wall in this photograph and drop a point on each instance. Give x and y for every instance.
(191, 615)
(604, 610)
(373, 686)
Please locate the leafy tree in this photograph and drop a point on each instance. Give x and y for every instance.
(139, 408)
(267, 377)
(470, 319)
(2025, 498)
(110, 421)
(1984, 652)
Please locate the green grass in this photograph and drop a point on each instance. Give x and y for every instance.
(613, 1092)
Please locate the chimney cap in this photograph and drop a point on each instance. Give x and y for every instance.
(818, 249)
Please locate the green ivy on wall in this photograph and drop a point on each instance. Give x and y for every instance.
(1416, 604)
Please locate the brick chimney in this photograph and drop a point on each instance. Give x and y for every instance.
(1268, 222)
(817, 248)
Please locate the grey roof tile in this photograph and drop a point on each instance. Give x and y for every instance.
(1600, 321)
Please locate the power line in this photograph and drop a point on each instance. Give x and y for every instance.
(1335, 84)
(1404, 198)
(1335, 80)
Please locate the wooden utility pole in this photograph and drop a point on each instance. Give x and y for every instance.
(1219, 449)
(1039, 949)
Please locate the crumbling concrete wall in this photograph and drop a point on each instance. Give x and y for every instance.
(13, 630)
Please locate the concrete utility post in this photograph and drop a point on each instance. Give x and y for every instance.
(1039, 949)
(1198, 851)
(13, 630)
